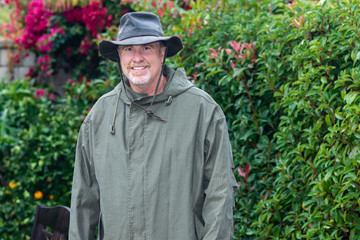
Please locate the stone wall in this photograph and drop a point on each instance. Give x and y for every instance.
(8, 69)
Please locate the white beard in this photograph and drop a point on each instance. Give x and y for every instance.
(141, 79)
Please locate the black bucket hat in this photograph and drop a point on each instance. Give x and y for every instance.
(138, 28)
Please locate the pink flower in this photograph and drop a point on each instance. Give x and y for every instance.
(85, 45)
(44, 62)
(38, 17)
(37, 21)
(47, 58)
(16, 58)
(109, 19)
(29, 73)
(39, 92)
(44, 43)
(94, 17)
(68, 51)
(73, 15)
(27, 40)
(51, 96)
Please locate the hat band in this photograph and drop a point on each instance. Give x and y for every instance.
(139, 32)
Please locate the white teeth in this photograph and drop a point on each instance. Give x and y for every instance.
(138, 68)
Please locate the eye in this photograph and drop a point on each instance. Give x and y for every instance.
(147, 48)
(127, 49)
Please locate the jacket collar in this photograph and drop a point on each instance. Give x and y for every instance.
(176, 84)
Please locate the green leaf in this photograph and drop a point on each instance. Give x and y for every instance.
(328, 175)
(289, 229)
(328, 121)
(353, 152)
(237, 72)
(350, 97)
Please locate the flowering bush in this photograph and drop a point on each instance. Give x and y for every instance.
(62, 36)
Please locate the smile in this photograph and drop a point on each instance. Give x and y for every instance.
(138, 68)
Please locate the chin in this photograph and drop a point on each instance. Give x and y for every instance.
(143, 80)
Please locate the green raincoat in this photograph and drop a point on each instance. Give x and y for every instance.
(154, 180)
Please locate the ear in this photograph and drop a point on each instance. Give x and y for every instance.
(118, 51)
(162, 53)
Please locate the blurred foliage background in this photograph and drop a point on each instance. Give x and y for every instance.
(4, 15)
(286, 74)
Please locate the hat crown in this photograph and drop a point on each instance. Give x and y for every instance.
(137, 24)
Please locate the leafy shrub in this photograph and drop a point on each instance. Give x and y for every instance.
(286, 75)
(38, 139)
(314, 67)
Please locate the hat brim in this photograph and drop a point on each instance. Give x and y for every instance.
(108, 49)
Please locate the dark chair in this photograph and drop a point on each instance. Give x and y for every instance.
(57, 218)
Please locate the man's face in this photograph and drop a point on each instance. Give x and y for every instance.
(141, 64)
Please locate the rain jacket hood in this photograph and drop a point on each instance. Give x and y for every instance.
(171, 89)
(154, 180)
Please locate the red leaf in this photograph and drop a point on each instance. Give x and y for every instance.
(170, 5)
(161, 14)
(199, 64)
(228, 51)
(241, 172)
(235, 45)
(214, 54)
(248, 46)
(232, 65)
(153, 3)
(247, 169)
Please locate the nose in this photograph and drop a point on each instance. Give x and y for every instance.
(138, 56)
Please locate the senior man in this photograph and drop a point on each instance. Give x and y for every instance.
(153, 158)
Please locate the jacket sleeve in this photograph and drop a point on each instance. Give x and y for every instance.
(85, 209)
(219, 184)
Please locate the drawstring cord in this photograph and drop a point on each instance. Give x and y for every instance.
(112, 127)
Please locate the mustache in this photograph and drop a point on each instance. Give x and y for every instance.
(138, 65)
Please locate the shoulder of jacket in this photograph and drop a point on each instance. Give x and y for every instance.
(112, 93)
(107, 96)
(201, 95)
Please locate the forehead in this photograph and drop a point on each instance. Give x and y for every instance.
(153, 44)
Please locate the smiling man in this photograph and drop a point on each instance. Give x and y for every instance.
(135, 61)
(153, 159)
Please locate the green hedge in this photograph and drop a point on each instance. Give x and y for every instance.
(287, 76)
(38, 137)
